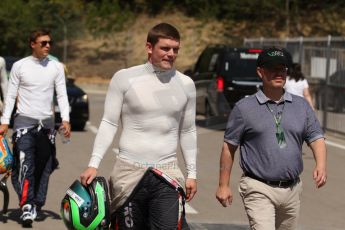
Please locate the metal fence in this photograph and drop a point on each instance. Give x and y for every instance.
(323, 64)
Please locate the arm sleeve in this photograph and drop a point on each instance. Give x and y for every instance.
(306, 85)
(11, 94)
(188, 137)
(313, 127)
(3, 77)
(109, 123)
(234, 127)
(61, 93)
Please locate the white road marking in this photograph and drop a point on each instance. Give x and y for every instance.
(189, 209)
(335, 145)
(91, 127)
(94, 129)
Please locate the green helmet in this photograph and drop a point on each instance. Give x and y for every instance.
(86, 208)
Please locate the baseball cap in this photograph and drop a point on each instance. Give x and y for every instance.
(273, 56)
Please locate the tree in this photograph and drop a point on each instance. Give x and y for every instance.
(19, 17)
(106, 16)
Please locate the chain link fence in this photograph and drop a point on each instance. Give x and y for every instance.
(323, 64)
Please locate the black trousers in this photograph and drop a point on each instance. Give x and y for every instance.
(35, 159)
(154, 204)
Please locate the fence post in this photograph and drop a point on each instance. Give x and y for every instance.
(328, 62)
(301, 50)
(286, 42)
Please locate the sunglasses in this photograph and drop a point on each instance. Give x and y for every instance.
(44, 43)
(278, 70)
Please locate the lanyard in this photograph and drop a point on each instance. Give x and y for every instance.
(279, 130)
(277, 118)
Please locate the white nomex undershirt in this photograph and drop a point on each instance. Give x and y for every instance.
(157, 111)
(33, 81)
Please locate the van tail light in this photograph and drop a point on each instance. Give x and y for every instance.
(220, 83)
(254, 50)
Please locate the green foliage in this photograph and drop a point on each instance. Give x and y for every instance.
(14, 23)
(69, 18)
(19, 17)
(106, 16)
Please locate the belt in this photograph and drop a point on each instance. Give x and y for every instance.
(276, 183)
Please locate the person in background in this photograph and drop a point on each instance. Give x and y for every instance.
(3, 82)
(270, 128)
(156, 106)
(297, 84)
(32, 82)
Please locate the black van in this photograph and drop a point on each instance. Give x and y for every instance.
(223, 75)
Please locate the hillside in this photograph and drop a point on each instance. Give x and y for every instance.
(91, 59)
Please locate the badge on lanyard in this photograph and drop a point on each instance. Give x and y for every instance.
(279, 130)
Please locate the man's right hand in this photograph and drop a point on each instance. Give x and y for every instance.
(224, 195)
(3, 129)
(88, 175)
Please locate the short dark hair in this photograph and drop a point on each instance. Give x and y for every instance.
(38, 33)
(162, 30)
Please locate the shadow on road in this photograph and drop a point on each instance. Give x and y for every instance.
(202, 226)
(14, 215)
(214, 123)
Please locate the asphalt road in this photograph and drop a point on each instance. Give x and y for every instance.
(321, 208)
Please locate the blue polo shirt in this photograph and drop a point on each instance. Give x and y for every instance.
(251, 125)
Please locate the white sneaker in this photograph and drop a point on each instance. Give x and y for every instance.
(29, 214)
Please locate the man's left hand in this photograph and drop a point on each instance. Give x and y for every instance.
(320, 177)
(191, 189)
(66, 125)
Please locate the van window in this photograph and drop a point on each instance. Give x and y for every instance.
(207, 61)
(240, 67)
(212, 65)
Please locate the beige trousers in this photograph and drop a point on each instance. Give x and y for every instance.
(270, 208)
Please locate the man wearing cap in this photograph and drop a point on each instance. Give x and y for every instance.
(270, 128)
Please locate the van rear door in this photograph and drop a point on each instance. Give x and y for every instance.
(240, 77)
